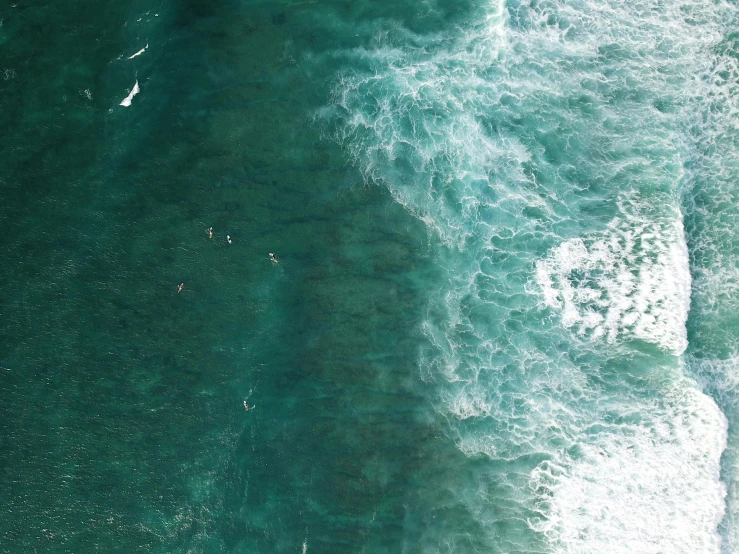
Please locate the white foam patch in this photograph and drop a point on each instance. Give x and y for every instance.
(632, 281)
(649, 488)
(139, 52)
(134, 91)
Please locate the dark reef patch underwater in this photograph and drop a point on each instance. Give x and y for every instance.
(504, 313)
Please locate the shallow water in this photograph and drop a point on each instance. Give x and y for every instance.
(502, 320)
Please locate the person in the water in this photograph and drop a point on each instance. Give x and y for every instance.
(179, 289)
(210, 232)
(228, 238)
(273, 258)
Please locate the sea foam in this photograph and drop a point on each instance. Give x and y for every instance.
(542, 147)
(631, 280)
(134, 91)
(712, 219)
(670, 463)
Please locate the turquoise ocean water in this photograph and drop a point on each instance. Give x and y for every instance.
(504, 317)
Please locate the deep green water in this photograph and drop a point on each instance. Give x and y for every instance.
(491, 220)
(122, 420)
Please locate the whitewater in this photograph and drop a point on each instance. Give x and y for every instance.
(575, 164)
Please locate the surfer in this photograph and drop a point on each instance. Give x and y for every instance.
(210, 232)
(228, 238)
(273, 258)
(246, 405)
(179, 289)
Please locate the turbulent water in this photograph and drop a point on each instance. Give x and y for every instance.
(557, 150)
(504, 314)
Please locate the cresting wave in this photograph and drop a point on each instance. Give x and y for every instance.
(544, 144)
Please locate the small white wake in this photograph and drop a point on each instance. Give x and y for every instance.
(134, 91)
(139, 52)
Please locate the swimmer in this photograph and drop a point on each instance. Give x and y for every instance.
(228, 238)
(273, 258)
(179, 289)
(246, 405)
(210, 232)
